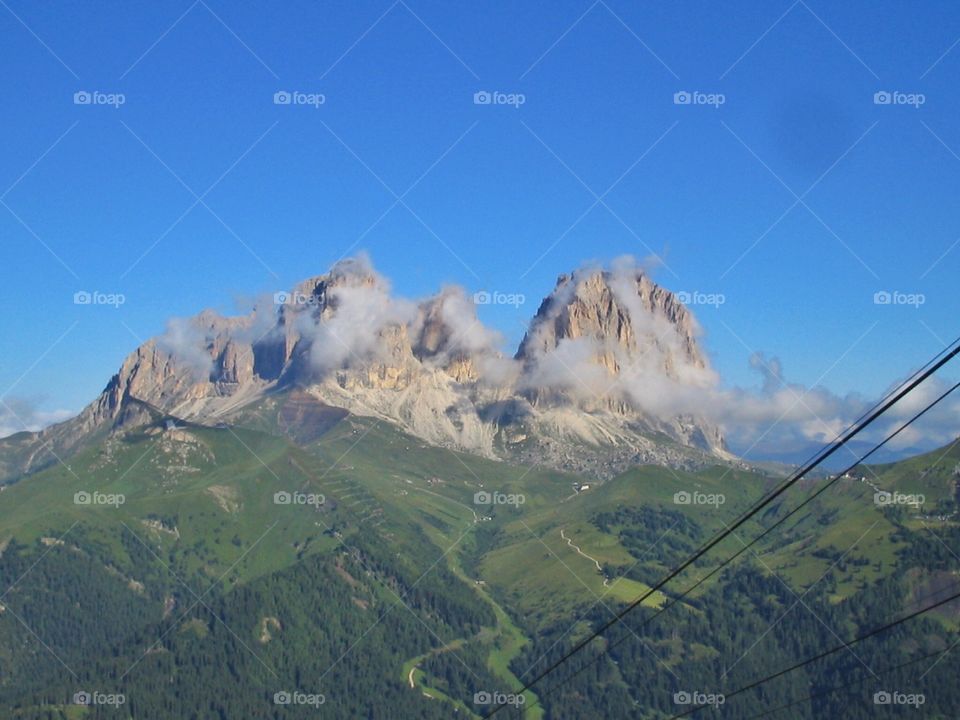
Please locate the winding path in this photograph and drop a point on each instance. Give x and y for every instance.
(511, 638)
(581, 552)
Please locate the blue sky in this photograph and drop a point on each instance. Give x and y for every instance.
(797, 198)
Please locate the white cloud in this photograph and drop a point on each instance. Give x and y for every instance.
(18, 414)
(780, 418)
(360, 310)
(185, 340)
(659, 376)
(467, 333)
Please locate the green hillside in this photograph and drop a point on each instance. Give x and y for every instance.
(207, 569)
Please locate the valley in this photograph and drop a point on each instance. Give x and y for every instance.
(485, 592)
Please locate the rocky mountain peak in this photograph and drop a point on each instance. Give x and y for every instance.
(320, 291)
(447, 334)
(433, 368)
(621, 315)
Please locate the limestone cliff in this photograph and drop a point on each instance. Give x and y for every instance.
(572, 396)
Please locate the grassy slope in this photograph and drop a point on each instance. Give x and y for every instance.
(220, 509)
(377, 479)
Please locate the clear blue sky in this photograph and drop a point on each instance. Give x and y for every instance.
(98, 193)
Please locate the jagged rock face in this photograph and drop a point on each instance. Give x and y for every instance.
(437, 343)
(422, 367)
(590, 306)
(603, 341)
(285, 351)
(600, 343)
(154, 374)
(434, 334)
(234, 364)
(597, 346)
(389, 362)
(392, 367)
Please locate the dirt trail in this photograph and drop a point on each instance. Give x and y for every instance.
(581, 552)
(449, 647)
(476, 519)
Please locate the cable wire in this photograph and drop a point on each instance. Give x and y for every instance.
(820, 656)
(746, 546)
(928, 369)
(845, 686)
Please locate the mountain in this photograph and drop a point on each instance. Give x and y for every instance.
(579, 394)
(601, 346)
(357, 501)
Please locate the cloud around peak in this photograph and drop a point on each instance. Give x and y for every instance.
(606, 333)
